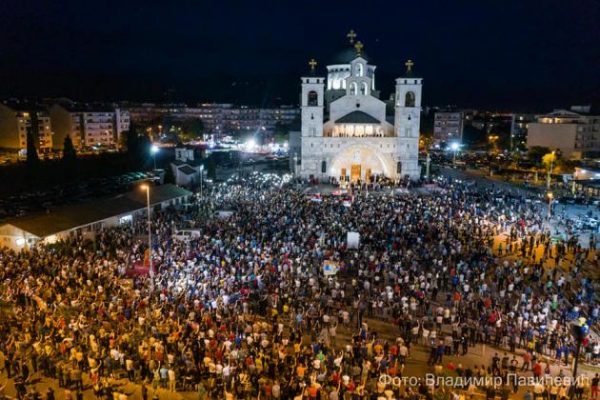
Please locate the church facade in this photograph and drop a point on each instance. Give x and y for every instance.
(348, 132)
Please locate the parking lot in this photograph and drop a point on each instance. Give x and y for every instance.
(41, 200)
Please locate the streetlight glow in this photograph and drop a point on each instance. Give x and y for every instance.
(154, 149)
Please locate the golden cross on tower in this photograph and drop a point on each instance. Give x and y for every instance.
(359, 46)
(313, 64)
(409, 64)
(351, 35)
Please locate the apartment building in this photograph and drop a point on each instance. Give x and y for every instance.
(218, 118)
(448, 126)
(575, 132)
(17, 119)
(89, 125)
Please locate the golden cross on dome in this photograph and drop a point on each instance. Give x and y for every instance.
(409, 64)
(313, 64)
(351, 35)
(359, 46)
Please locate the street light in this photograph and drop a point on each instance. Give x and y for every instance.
(454, 147)
(550, 197)
(201, 178)
(153, 150)
(549, 177)
(146, 187)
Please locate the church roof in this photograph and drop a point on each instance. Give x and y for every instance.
(357, 117)
(347, 55)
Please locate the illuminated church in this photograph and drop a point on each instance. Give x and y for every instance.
(348, 132)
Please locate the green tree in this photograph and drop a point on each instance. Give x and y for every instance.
(32, 154)
(191, 129)
(69, 153)
(169, 177)
(536, 154)
(211, 167)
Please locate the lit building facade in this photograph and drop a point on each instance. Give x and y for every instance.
(17, 120)
(575, 133)
(346, 132)
(448, 127)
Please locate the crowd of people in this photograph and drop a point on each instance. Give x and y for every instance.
(244, 310)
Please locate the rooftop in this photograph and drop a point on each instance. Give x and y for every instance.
(357, 117)
(186, 169)
(73, 216)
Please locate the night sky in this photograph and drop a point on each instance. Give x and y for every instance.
(510, 54)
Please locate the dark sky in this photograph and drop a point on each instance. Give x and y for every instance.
(506, 54)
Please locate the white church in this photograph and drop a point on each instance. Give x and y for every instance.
(346, 132)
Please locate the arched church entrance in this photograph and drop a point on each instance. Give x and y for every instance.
(359, 163)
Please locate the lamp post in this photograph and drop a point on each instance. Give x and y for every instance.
(550, 197)
(154, 150)
(549, 177)
(146, 187)
(201, 178)
(454, 146)
(427, 163)
(579, 330)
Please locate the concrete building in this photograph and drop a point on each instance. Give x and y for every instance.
(518, 129)
(87, 219)
(88, 125)
(218, 118)
(347, 133)
(17, 119)
(186, 167)
(575, 132)
(448, 127)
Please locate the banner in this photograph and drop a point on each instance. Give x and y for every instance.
(224, 214)
(330, 267)
(352, 240)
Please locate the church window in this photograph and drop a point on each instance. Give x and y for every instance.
(313, 98)
(323, 166)
(409, 99)
(353, 89)
(359, 70)
(364, 88)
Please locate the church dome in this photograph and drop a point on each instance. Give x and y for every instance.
(346, 56)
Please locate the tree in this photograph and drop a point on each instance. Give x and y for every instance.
(32, 154)
(138, 148)
(211, 166)
(549, 159)
(143, 153)
(69, 153)
(169, 177)
(191, 129)
(536, 153)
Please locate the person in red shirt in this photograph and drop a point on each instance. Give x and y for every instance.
(537, 370)
(526, 361)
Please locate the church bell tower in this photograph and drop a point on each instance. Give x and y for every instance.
(312, 103)
(407, 121)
